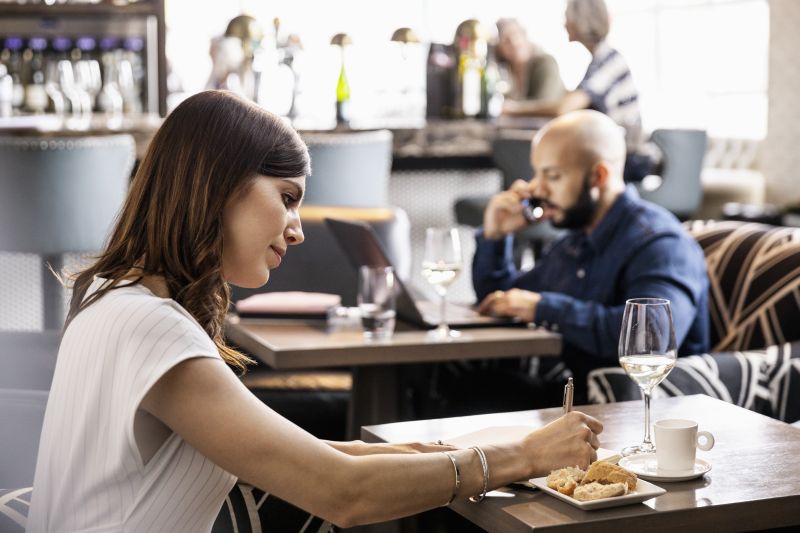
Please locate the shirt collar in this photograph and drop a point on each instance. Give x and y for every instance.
(601, 50)
(604, 231)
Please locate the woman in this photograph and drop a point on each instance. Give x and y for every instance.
(147, 428)
(534, 73)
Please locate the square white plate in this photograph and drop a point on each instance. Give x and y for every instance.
(644, 491)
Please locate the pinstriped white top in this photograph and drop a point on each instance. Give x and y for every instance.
(90, 476)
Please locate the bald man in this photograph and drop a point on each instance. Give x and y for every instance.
(619, 247)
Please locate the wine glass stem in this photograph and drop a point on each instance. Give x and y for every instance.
(647, 442)
(443, 313)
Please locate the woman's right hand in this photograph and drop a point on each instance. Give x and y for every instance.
(568, 441)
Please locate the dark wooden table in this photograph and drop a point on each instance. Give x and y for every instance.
(754, 482)
(375, 397)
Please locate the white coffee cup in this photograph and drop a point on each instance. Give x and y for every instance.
(677, 442)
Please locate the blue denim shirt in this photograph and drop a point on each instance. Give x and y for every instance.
(638, 250)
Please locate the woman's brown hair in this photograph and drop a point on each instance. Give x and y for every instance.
(208, 149)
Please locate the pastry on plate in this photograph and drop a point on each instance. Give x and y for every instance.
(607, 473)
(595, 491)
(564, 480)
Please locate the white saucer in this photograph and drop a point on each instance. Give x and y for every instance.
(645, 466)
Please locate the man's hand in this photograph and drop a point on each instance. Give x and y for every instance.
(514, 303)
(504, 215)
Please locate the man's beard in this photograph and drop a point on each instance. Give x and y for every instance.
(581, 213)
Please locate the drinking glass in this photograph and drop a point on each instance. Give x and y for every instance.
(441, 265)
(376, 301)
(647, 352)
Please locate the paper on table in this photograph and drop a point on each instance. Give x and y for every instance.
(490, 435)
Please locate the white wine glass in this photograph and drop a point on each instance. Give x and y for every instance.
(441, 265)
(647, 353)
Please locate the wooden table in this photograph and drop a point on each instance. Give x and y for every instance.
(375, 397)
(754, 482)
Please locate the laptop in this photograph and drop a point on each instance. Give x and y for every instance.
(362, 247)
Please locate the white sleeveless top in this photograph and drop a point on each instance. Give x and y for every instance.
(90, 476)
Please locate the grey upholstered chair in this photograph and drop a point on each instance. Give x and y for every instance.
(21, 418)
(59, 195)
(679, 189)
(349, 169)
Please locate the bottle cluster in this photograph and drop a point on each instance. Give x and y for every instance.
(71, 75)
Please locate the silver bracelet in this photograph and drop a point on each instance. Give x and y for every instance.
(458, 478)
(485, 466)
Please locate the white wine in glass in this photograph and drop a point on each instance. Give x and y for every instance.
(441, 265)
(647, 353)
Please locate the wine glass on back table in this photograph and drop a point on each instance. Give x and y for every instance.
(647, 352)
(441, 265)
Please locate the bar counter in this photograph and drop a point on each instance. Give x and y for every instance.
(419, 144)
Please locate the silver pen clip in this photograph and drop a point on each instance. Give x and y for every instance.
(568, 391)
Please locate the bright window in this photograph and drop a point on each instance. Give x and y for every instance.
(697, 63)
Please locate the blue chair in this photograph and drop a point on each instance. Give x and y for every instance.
(349, 169)
(60, 195)
(678, 187)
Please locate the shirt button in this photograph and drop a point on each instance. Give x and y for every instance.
(554, 328)
(545, 324)
(581, 273)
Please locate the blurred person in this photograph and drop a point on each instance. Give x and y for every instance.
(618, 247)
(534, 74)
(147, 426)
(607, 86)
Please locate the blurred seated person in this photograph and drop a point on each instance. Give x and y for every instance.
(607, 86)
(534, 73)
(618, 247)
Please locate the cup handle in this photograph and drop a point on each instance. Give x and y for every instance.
(709, 440)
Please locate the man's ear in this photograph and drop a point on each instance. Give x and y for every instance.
(600, 173)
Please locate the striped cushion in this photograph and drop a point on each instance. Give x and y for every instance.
(766, 381)
(754, 275)
(754, 306)
(251, 510)
(14, 504)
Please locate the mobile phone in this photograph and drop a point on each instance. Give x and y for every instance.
(532, 209)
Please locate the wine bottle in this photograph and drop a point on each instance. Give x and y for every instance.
(36, 99)
(343, 98)
(12, 57)
(470, 73)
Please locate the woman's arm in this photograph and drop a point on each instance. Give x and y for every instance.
(359, 447)
(573, 100)
(202, 401)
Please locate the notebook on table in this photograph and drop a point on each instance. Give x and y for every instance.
(362, 247)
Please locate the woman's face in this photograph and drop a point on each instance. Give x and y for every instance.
(257, 227)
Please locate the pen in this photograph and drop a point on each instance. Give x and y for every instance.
(568, 396)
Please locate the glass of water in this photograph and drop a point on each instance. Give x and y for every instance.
(376, 301)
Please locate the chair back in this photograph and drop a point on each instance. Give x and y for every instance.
(754, 276)
(511, 153)
(349, 169)
(680, 190)
(21, 419)
(319, 264)
(60, 195)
